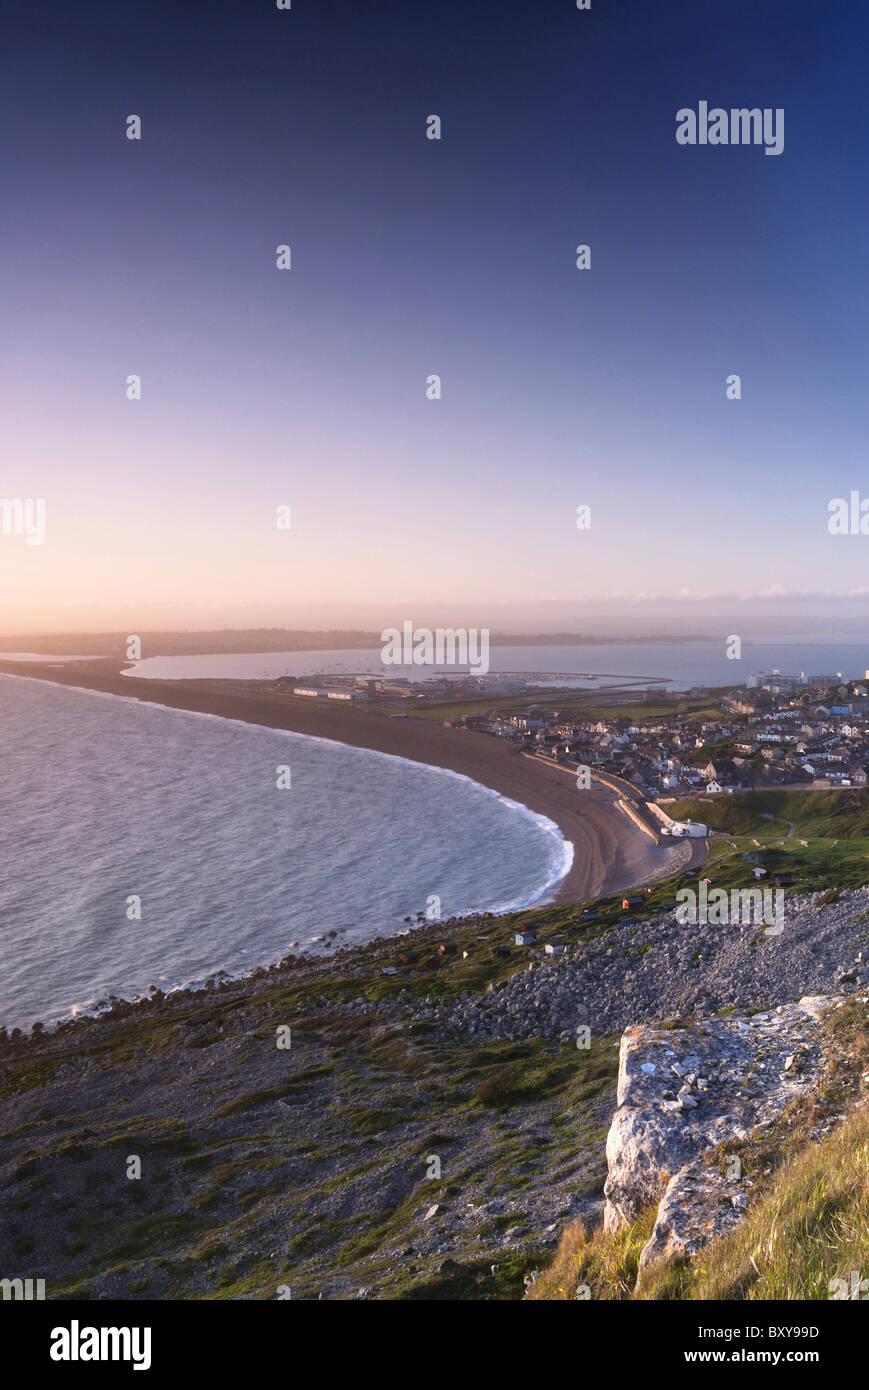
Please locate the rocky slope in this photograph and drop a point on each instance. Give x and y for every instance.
(312, 1167)
(661, 969)
(682, 1092)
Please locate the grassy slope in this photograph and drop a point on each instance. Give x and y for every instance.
(834, 823)
(807, 1222)
(583, 705)
(228, 1187)
(831, 814)
(309, 1166)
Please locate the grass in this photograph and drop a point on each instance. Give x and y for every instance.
(475, 1280)
(496, 1088)
(605, 1265)
(583, 704)
(290, 1090)
(507, 1074)
(374, 1077)
(810, 1228)
(814, 812)
(807, 1225)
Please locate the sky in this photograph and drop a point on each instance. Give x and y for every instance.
(307, 388)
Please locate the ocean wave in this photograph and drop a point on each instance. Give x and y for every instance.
(229, 879)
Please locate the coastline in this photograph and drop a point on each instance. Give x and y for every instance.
(610, 854)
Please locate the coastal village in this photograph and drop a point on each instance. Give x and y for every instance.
(774, 734)
(777, 731)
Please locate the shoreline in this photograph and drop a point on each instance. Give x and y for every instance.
(609, 853)
(596, 819)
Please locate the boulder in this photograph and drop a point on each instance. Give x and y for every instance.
(737, 1075)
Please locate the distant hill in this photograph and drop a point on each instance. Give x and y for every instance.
(275, 639)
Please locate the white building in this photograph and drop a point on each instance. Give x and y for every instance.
(692, 828)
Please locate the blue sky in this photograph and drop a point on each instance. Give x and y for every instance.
(413, 257)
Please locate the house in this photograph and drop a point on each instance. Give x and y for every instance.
(760, 873)
(694, 829)
(553, 948)
(632, 902)
(525, 936)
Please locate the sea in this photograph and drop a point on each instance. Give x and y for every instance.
(678, 666)
(144, 846)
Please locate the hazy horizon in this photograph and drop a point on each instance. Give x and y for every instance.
(618, 621)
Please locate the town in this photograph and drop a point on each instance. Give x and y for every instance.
(776, 731)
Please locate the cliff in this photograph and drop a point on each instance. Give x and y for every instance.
(684, 1092)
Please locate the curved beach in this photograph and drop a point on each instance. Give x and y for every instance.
(611, 851)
